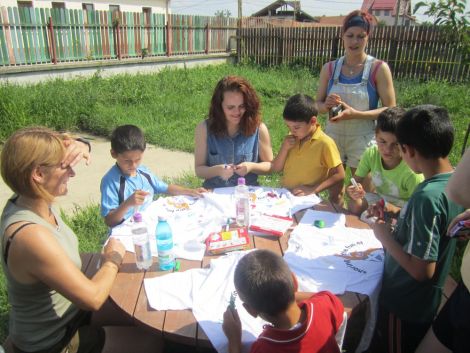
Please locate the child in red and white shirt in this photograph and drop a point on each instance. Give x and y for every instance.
(300, 322)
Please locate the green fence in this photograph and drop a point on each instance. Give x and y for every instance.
(39, 36)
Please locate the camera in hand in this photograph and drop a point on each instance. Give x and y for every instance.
(335, 110)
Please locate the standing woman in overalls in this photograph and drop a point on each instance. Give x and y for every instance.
(355, 82)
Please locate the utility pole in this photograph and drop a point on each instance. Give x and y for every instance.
(397, 13)
(239, 34)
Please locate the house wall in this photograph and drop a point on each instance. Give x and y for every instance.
(390, 21)
(158, 6)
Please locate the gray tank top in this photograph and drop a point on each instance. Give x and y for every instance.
(38, 314)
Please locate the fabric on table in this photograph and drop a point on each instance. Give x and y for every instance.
(337, 258)
(193, 219)
(207, 292)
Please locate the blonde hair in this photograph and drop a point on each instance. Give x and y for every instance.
(25, 150)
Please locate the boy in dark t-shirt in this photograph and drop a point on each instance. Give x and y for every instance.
(417, 253)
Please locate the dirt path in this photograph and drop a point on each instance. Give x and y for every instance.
(84, 188)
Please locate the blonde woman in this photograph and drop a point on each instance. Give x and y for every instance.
(50, 298)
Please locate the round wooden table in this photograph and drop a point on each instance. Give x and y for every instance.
(180, 326)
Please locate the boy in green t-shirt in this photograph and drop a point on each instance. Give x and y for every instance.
(418, 253)
(393, 180)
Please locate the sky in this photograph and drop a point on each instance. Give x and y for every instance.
(312, 7)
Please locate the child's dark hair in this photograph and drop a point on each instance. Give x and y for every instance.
(127, 138)
(264, 281)
(300, 108)
(387, 121)
(428, 129)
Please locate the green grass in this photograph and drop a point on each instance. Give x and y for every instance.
(175, 100)
(167, 106)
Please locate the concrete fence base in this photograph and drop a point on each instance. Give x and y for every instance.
(36, 73)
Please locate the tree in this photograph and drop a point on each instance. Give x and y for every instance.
(223, 13)
(451, 15)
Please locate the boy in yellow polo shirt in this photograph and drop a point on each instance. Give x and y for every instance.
(308, 158)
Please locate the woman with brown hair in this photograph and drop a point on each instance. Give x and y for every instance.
(350, 89)
(50, 298)
(232, 142)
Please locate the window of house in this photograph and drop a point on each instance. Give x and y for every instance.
(377, 12)
(88, 7)
(147, 14)
(386, 12)
(114, 8)
(58, 5)
(25, 3)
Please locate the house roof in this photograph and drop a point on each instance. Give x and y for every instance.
(369, 5)
(378, 5)
(295, 5)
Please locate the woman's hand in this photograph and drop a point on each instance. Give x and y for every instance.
(226, 171)
(114, 251)
(461, 217)
(347, 113)
(332, 100)
(243, 168)
(356, 193)
(75, 152)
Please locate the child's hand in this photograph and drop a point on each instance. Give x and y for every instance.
(232, 327)
(288, 143)
(303, 190)
(332, 100)
(356, 193)
(137, 198)
(226, 171)
(196, 192)
(381, 230)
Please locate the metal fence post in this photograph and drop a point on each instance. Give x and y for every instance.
(207, 38)
(52, 51)
(117, 29)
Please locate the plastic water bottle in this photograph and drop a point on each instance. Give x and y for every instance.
(166, 258)
(140, 238)
(242, 203)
